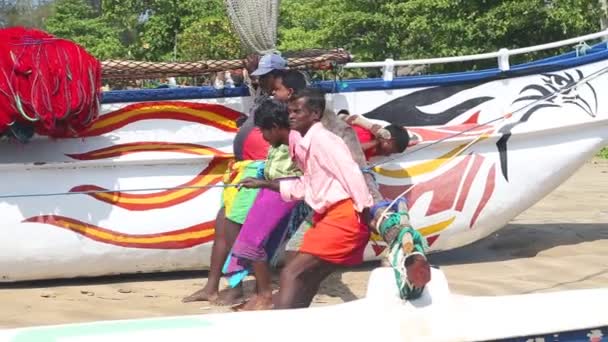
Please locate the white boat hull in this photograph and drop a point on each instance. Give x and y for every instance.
(461, 189)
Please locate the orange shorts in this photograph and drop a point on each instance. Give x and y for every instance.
(337, 236)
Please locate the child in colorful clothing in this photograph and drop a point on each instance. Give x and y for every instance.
(334, 187)
(268, 215)
(238, 202)
(249, 148)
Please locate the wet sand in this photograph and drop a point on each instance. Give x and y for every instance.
(560, 243)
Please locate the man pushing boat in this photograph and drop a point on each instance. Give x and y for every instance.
(390, 219)
(332, 184)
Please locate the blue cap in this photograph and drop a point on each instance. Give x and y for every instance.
(268, 63)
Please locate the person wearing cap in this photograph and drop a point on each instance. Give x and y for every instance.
(250, 151)
(248, 142)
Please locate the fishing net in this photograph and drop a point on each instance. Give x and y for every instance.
(255, 21)
(47, 85)
(126, 69)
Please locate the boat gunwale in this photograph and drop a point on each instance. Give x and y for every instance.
(556, 63)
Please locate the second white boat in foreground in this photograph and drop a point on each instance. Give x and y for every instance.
(437, 316)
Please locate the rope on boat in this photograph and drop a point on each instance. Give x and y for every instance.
(194, 187)
(119, 190)
(583, 80)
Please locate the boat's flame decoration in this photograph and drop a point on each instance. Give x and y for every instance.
(428, 166)
(214, 115)
(452, 197)
(487, 193)
(450, 189)
(211, 175)
(432, 232)
(124, 149)
(176, 239)
(423, 134)
(549, 94)
(444, 189)
(454, 183)
(409, 110)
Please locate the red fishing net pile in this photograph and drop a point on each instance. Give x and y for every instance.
(48, 85)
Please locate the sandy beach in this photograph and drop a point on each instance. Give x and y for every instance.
(560, 243)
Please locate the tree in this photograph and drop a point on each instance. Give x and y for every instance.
(24, 13)
(162, 30)
(174, 29)
(209, 37)
(77, 20)
(380, 29)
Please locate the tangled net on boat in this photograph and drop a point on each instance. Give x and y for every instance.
(52, 86)
(48, 85)
(256, 23)
(128, 69)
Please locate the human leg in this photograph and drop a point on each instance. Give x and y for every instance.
(303, 270)
(258, 239)
(231, 295)
(262, 300)
(219, 251)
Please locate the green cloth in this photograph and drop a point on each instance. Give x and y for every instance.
(279, 164)
(245, 197)
(397, 255)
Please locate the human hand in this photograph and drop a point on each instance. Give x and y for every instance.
(252, 183)
(251, 62)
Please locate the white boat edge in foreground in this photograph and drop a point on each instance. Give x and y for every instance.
(437, 316)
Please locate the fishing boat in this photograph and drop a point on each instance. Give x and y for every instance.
(139, 189)
(439, 315)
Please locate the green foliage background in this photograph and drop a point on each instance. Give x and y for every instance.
(163, 30)
(182, 30)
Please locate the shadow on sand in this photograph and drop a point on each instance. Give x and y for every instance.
(512, 242)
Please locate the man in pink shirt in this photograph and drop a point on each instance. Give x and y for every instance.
(334, 187)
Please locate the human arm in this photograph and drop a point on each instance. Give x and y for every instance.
(356, 150)
(368, 145)
(291, 189)
(257, 183)
(251, 62)
(362, 121)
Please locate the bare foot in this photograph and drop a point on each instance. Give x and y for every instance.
(229, 296)
(255, 303)
(202, 295)
(239, 307)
